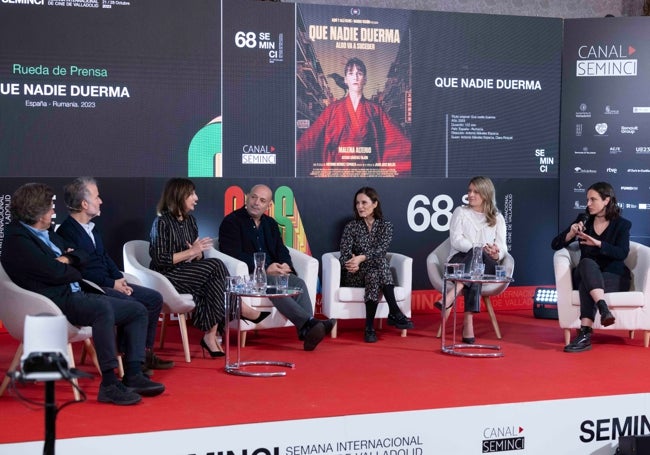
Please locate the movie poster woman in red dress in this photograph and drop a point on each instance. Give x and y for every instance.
(354, 137)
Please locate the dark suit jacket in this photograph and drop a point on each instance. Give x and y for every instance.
(99, 268)
(32, 264)
(238, 238)
(615, 247)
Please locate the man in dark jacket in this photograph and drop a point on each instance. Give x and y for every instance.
(83, 202)
(39, 260)
(249, 230)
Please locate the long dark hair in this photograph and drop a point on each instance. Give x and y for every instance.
(374, 197)
(172, 200)
(605, 190)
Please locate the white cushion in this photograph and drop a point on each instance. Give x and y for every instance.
(356, 294)
(616, 299)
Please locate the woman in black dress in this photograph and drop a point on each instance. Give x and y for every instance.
(176, 251)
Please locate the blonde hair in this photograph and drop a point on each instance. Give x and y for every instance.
(485, 188)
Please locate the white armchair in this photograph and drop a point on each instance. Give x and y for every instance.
(15, 304)
(307, 269)
(348, 303)
(436, 263)
(136, 262)
(631, 309)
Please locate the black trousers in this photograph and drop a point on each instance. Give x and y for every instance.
(587, 276)
(104, 314)
(472, 292)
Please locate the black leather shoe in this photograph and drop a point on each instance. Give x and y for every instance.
(582, 342)
(329, 325)
(263, 315)
(400, 321)
(370, 336)
(142, 385)
(213, 354)
(314, 335)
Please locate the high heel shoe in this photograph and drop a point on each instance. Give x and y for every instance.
(213, 354)
(263, 315)
(438, 305)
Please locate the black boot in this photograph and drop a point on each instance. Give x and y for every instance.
(369, 335)
(582, 342)
(400, 321)
(395, 316)
(606, 316)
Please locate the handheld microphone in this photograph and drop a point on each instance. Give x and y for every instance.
(583, 218)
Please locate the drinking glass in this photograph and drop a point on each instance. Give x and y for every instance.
(249, 282)
(450, 269)
(459, 270)
(234, 283)
(272, 284)
(283, 282)
(500, 271)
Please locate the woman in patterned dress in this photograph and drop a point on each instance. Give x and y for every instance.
(363, 249)
(176, 251)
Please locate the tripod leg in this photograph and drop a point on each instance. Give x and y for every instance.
(50, 419)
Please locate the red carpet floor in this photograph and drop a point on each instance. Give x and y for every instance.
(345, 376)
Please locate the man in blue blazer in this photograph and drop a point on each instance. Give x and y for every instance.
(82, 200)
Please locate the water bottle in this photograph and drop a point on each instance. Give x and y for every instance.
(477, 267)
(259, 274)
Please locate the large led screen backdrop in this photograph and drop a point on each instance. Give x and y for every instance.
(455, 94)
(236, 92)
(106, 88)
(258, 103)
(452, 95)
(353, 92)
(606, 117)
(486, 91)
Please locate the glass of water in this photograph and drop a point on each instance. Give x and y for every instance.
(282, 282)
